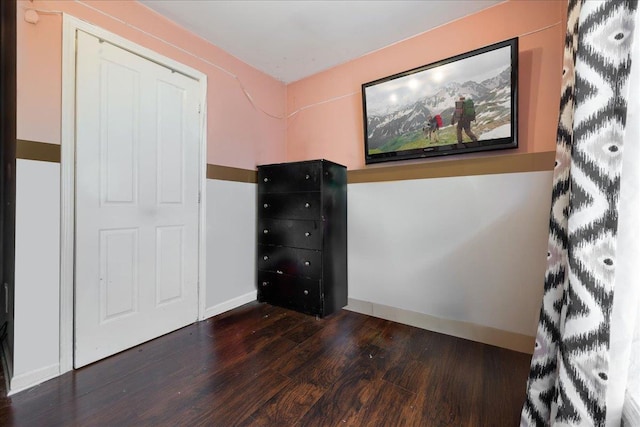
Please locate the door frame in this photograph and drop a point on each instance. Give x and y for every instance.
(70, 26)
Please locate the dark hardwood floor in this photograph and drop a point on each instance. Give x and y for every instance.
(260, 365)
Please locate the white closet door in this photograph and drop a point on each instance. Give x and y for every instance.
(137, 183)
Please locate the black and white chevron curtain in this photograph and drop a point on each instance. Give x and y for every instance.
(580, 373)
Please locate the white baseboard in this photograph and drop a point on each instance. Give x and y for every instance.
(229, 304)
(7, 364)
(29, 379)
(484, 334)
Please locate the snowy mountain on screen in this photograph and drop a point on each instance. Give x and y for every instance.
(491, 98)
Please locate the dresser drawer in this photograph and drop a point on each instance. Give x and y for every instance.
(292, 261)
(290, 291)
(290, 232)
(287, 178)
(290, 205)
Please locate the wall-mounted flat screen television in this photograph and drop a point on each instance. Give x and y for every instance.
(462, 104)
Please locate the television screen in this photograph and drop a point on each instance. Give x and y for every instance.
(462, 104)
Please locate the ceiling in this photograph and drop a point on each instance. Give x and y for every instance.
(290, 39)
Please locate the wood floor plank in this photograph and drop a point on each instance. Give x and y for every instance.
(338, 335)
(413, 375)
(499, 368)
(289, 405)
(87, 379)
(304, 330)
(389, 405)
(260, 365)
(232, 406)
(449, 398)
(344, 399)
(329, 362)
(129, 394)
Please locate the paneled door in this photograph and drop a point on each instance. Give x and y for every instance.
(137, 195)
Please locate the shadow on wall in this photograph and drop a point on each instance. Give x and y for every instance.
(530, 65)
(493, 275)
(469, 248)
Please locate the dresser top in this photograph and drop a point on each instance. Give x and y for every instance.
(303, 162)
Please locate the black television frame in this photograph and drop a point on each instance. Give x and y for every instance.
(469, 60)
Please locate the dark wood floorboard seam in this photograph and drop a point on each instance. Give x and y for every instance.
(259, 365)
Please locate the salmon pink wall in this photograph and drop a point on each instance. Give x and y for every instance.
(323, 127)
(239, 134)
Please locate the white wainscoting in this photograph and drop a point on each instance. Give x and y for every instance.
(467, 249)
(230, 263)
(37, 280)
(231, 245)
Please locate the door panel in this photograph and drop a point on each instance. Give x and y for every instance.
(137, 212)
(170, 142)
(119, 278)
(170, 256)
(119, 142)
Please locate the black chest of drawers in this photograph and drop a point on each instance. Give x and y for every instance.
(302, 236)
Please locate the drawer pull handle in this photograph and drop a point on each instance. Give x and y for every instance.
(307, 234)
(306, 292)
(265, 231)
(307, 176)
(279, 272)
(266, 205)
(265, 283)
(266, 257)
(307, 205)
(307, 263)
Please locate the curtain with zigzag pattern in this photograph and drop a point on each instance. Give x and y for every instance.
(575, 377)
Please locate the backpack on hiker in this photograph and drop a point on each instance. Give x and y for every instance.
(438, 120)
(469, 110)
